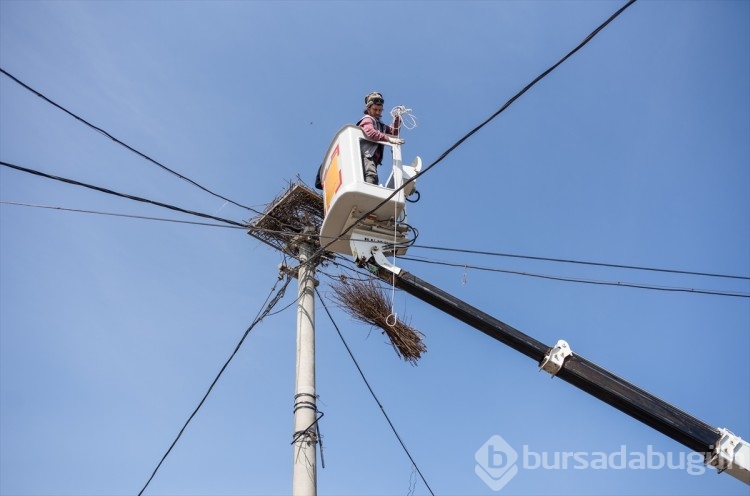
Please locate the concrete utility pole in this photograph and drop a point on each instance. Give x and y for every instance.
(291, 225)
(304, 482)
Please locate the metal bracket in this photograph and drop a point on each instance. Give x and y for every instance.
(554, 359)
(364, 249)
(731, 455)
(292, 272)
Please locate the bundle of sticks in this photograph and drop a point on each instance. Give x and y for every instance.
(296, 209)
(366, 301)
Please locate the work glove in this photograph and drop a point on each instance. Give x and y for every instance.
(395, 140)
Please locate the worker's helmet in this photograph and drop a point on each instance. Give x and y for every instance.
(374, 98)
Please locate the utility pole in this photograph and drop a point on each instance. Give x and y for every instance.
(291, 224)
(304, 482)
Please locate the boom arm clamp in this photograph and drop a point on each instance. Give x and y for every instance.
(555, 357)
(731, 454)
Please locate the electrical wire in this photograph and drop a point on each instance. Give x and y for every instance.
(322, 249)
(261, 314)
(119, 215)
(243, 227)
(270, 306)
(526, 88)
(454, 250)
(137, 152)
(362, 274)
(582, 262)
(374, 396)
(583, 281)
(122, 195)
(119, 142)
(477, 128)
(282, 309)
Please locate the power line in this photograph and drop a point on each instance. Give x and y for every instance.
(480, 126)
(119, 142)
(113, 214)
(374, 396)
(122, 195)
(582, 281)
(581, 262)
(119, 215)
(258, 318)
(527, 87)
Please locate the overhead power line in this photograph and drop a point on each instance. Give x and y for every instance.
(143, 217)
(122, 195)
(261, 315)
(374, 396)
(582, 262)
(583, 281)
(113, 214)
(480, 126)
(119, 142)
(526, 88)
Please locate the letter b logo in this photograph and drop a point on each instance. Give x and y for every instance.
(496, 463)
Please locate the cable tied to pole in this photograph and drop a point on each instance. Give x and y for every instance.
(312, 433)
(305, 404)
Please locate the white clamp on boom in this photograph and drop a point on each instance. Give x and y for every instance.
(731, 455)
(365, 248)
(554, 359)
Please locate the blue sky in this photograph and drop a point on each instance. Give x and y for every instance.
(635, 151)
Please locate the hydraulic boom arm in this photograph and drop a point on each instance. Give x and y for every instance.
(721, 448)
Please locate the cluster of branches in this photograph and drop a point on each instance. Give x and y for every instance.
(366, 302)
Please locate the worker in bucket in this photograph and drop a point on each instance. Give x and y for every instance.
(375, 130)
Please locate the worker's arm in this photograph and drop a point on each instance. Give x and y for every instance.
(368, 127)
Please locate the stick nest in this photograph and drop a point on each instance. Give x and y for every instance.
(366, 301)
(296, 209)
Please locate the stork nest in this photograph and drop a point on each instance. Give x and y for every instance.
(296, 210)
(366, 302)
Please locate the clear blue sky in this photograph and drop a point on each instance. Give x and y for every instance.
(635, 151)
